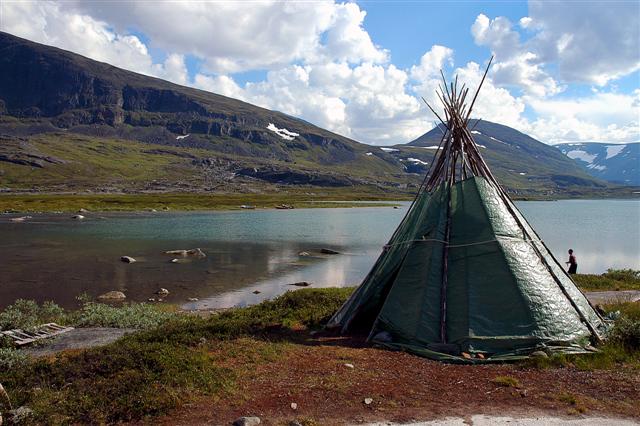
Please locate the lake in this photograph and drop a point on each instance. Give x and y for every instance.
(52, 257)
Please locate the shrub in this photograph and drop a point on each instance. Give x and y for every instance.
(26, 314)
(136, 315)
(11, 358)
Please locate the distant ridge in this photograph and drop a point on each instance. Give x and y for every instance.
(618, 163)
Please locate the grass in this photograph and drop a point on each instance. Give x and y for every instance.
(154, 371)
(299, 198)
(179, 358)
(506, 381)
(612, 280)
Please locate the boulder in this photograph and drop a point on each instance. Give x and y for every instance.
(83, 211)
(256, 292)
(301, 284)
(196, 252)
(112, 295)
(127, 259)
(20, 219)
(247, 421)
(328, 251)
(77, 217)
(162, 292)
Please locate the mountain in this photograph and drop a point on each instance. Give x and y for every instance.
(69, 123)
(520, 162)
(45, 90)
(611, 162)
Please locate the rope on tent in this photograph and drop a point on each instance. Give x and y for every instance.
(434, 240)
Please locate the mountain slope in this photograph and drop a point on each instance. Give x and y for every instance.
(48, 90)
(520, 162)
(611, 162)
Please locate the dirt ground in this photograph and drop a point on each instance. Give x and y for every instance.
(403, 388)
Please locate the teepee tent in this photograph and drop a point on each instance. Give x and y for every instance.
(465, 277)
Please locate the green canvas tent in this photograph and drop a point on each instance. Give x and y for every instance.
(465, 277)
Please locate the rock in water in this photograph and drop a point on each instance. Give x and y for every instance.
(304, 254)
(77, 217)
(196, 252)
(112, 295)
(127, 259)
(301, 284)
(247, 421)
(328, 251)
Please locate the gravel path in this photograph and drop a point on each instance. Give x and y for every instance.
(79, 338)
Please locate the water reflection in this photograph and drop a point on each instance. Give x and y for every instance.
(54, 258)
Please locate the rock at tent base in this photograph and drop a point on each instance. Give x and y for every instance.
(127, 259)
(480, 356)
(112, 295)
(247, 421)
(466, 355)
(539, 354)
(368, 401)
(383, 337)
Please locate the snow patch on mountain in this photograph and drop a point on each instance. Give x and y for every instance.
(283, 133)
(613, 150)
(417, 161)
(389, 149)
(581, 155)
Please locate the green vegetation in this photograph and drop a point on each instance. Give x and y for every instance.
(189, 201)
(180, 357)
(26, 314)
(613, 279)
(506, 381)
(163, 367)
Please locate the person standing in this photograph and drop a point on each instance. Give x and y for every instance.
(573, 264)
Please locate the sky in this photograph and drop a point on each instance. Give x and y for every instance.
(562, 71)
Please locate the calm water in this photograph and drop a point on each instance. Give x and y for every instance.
(52, 257)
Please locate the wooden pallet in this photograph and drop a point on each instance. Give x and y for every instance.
(21, 337)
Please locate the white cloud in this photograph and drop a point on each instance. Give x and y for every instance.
(591, 41)
(46, 22)
(514, 63)
(245, 35)
(323, 65)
